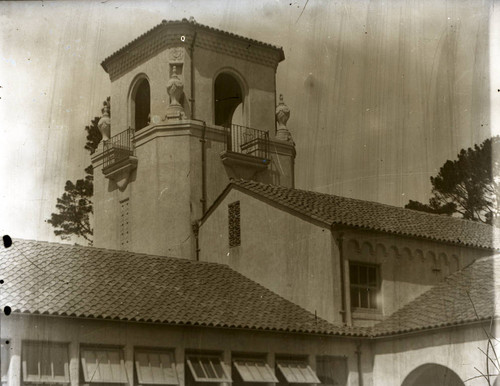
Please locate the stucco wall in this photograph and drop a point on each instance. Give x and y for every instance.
(17, 328)
(159, 191)
(455, 348)
(156, 70)
(408, 266)
(284, 253)
(259, 81)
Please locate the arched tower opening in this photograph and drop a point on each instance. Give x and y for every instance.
(141, 104)
(228, 96)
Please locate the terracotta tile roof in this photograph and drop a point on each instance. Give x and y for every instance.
(60, 279)
(465, 296)
(336, 210)
(192, 22)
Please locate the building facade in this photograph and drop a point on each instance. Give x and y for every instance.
(209, 266)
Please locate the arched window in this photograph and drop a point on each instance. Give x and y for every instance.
(228, 96)
(141, 104)
(432, 374)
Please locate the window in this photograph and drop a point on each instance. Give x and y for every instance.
(5, 360)
(254, 370)
(331, 370)
(364, 279)
(207, 368)
(141, 104)
(103, 365)
(234, 224)
(44, 362)
(296, 371)
(155, 367)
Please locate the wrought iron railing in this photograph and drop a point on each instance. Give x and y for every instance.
(119, 147)
(245, 140)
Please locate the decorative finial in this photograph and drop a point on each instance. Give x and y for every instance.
(104, 124)
(282, 116)
(175, 89)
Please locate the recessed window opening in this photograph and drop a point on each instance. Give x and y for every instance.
(45, 362)
(141, 104)
(252, 370)
(228, 96)
(207, 368)
(103, 365)
(291, 371)
(155, 367)
(365, 286)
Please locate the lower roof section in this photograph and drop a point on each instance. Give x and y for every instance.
(66, 280)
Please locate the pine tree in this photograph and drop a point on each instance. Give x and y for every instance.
(75, 205)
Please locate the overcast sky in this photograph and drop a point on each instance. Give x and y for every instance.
(381, 93)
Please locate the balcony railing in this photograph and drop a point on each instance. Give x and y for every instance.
(118, 148)
(245, 140)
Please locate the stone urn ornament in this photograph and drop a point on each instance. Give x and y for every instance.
(282, 116)
(104, 124)
(175, 89)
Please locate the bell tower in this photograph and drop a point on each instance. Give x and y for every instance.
(192, 107)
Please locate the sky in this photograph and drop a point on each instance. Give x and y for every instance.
(381, 92)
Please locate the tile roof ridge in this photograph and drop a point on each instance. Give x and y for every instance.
(194, 23)
(435, 215)
(108, 250)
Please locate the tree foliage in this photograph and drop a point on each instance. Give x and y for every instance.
(74, 207)
(467, 186)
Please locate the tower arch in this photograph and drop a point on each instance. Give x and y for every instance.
(140, 102)
(229, 96)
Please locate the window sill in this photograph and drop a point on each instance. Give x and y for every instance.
(367, 314)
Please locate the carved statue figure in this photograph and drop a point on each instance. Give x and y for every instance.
(282, 116)
(104, 124)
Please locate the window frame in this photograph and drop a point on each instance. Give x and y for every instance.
(367, 287)
(281, 362)
(138, 372)
(271, 375)
(227, 377)
(40, 378)
(123, 373)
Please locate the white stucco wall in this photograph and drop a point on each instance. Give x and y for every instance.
(455, 348)
(284, 253)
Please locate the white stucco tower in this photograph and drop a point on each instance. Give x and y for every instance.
(191, 107)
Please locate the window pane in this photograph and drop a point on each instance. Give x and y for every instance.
(353, 273)
(355, 297)
(373, 299)
(363, 276)
(244, 371)
(363, 298)
(103, 365)
(372, 277)
(197, 368)
(296, 372)
(217, 365)
(31, 355)
(59, 355)
(115, 365)
(143, 368)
